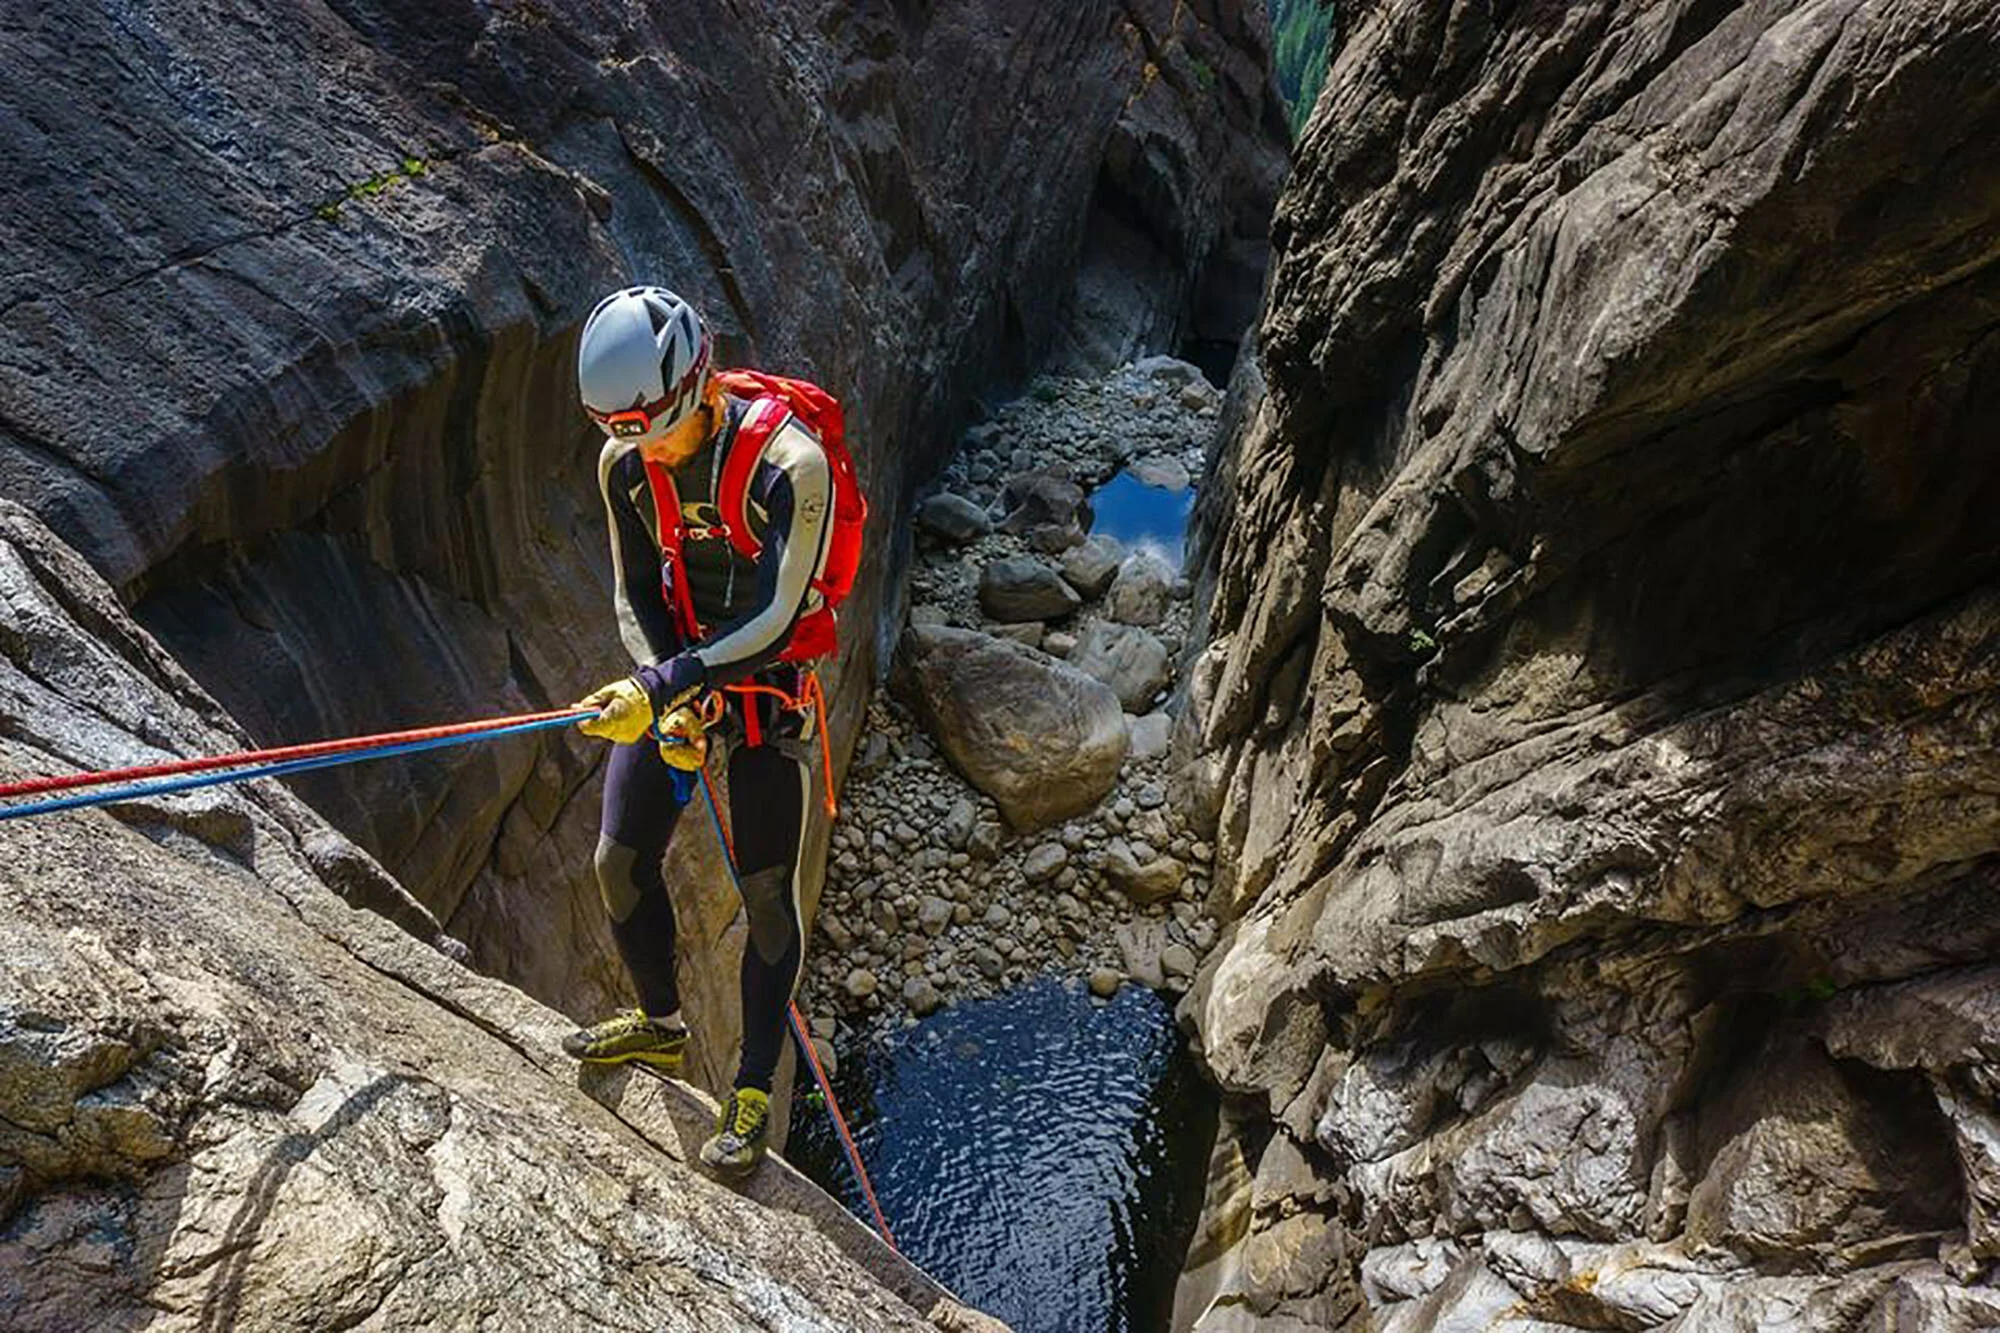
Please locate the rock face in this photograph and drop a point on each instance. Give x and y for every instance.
(341, 255)
(1039, 737)
(1599, 713)
(229, 1100)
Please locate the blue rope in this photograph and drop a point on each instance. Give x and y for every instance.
(166, 786)
(799, 1035)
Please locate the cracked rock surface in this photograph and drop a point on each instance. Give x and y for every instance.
(1598, 717)
(230, 1098)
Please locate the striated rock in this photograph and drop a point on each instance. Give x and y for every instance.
(1142, 944)
(1597, 726)
(1042, 739)
(1018, 588)
(1129, 660)
(953, 518)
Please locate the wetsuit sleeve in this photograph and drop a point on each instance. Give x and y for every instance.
(645, 624)
(799, 520)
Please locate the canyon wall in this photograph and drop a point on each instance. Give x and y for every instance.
(287, 332)
(1598, 720)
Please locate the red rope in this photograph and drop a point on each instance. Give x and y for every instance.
(312, 750)
(804, 1038)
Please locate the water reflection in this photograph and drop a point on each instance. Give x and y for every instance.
(1143, 517)
(1041, 1153)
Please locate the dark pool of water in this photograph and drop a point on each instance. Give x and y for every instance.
(1142, 517)
(1040, 1153)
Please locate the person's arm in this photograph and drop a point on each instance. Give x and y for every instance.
(645, 622)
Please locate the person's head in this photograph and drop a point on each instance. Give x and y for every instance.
(642, 371)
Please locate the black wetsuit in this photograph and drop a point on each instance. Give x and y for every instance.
(753, 606)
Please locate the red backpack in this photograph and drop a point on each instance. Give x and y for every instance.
(773, 398)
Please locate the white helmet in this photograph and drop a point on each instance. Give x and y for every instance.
(643, 362)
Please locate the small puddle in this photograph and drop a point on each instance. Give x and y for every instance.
(1041, 1153)
(1143, 517)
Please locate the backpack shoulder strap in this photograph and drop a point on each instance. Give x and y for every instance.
(739, 469)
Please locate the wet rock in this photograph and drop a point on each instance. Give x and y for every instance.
(1043, 740)
(1018, 588)
(1131, 661)
(953, 518)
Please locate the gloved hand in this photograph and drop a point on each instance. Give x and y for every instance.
(683, 739)
(626, 713)
(671, 683)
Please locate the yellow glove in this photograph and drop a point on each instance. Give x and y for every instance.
(684, 742)
(626, 713)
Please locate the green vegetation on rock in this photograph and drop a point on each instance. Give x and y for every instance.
(1301, 43)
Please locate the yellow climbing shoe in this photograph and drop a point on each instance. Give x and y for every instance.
(630, 1036)
(738, 1144)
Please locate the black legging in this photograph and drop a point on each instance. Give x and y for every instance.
(768, 788)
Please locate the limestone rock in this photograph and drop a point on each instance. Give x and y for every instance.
(1043, 740)
(1562, 658)
(1150, 734)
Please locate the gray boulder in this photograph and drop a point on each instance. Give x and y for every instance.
(1131, 661)
(1037, 499)
(1018, 588)
(1092, 566)
(1042, 739)
(1141, 592)
(953, 518)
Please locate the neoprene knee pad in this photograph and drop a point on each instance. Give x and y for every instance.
(616, 883)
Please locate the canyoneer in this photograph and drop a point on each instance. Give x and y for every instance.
(735, 524)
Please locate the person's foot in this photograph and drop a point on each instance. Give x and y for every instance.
(738, 1143)
(630, 1036)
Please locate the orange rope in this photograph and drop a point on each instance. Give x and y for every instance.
(811, 698)
(800, 1034)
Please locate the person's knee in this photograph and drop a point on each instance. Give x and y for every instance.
(617, 878)
(774, 921)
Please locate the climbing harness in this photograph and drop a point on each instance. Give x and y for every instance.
(802, 1037)
(811, 698)
(214, 770)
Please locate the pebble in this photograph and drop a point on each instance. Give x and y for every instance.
(1043, 862)
(921, 996)
(1104, 982)
(860, 983)
(933, 915)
